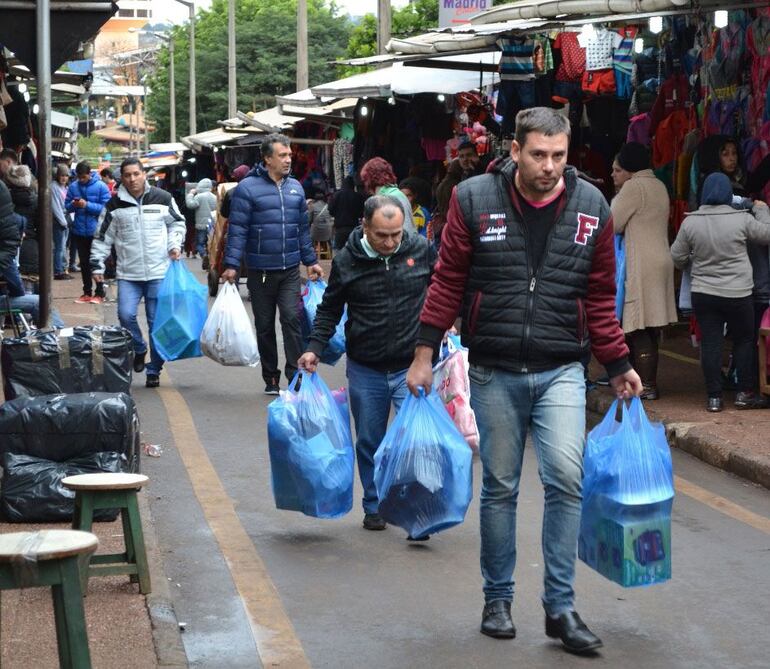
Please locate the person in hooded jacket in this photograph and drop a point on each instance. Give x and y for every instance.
(23, 187)
(86, 197)
(712, 243)
(204, 203)
(268, 224)
(382, 275)
(346, 207)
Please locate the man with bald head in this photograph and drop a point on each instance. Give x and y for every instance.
(382, 275)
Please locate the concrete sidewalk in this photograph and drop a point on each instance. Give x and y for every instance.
(125, 629)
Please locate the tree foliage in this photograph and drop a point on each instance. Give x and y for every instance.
(266, 59)
(413, 19)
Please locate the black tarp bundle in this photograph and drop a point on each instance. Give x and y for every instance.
(92, 358)
(43, 439)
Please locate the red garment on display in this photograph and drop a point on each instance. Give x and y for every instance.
(674, 94)
(573, 57)
(669, 137)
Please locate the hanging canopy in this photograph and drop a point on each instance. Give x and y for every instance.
(400, 80)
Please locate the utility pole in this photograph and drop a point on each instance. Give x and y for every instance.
(172, 87)
(383, 25)
(232, 98)
(43, 83)
(193, 123)
(302, 66)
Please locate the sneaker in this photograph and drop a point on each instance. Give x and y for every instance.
(714, 404)
(152, 381)
(374, 522)
(424, 537)
(139, 361)
(750, 401)
(62, 276)
(97, 299)
(84, 299)
(205, 263)
(272, 387)
(74, 268)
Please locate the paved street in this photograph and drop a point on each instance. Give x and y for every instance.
(250, 581)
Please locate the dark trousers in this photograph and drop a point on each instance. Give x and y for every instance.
(268, 290)
(643, 346)
(83, 245)
(712, 313)
(341, 237)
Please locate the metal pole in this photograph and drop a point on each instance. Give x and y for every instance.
(232, 95)
(302, 64)
(45, 252)
(172, 85)
(193, 122)
(383, 25)
(144, 119)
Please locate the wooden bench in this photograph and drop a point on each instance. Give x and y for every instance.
(764, 386)
(110, 491)
(52, 558)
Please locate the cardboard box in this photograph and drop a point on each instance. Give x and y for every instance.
(629, 552)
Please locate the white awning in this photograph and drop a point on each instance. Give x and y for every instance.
(400, 80)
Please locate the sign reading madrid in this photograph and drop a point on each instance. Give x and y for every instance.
(454, 12)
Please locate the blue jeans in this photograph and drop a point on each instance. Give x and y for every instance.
(371, 394)
(129, 295)
(59, 241)
(552, 405)
(201, 239)
(30, 304)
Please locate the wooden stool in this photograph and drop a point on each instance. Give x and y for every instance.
(324, 250)
(50, 558)
(110, 491)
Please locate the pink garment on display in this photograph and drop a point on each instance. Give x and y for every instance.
(435, 149)
(639, 129)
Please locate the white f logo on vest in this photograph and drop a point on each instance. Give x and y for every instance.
(586, 226)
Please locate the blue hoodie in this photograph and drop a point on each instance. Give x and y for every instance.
(96, 194)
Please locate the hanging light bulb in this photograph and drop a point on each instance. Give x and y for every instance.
(720, 18)
(22, 88)
(26, 97)
(364, 110)
(35, 109)
(441, 97)
(184, 174)
(638, 45)
(656, 24)
(392, 101)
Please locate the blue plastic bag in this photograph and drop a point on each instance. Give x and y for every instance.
(311, 449)
(620, 275)
(312, 296)
(628, 490)
(180, 314)
(423, 469)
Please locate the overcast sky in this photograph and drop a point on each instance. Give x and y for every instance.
(177, 13)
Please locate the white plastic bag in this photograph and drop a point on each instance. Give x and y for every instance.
(227, 336)
(450, 379)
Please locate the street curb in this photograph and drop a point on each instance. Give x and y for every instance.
(166, 636)
(693, 439)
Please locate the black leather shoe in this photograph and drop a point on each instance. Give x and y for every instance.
(152, 381)
(496, 620)
(374, 522)
(714, 404)
(139, 359)
(649, 393)
(574, 634)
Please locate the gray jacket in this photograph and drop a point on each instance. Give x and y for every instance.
(204, 203)
(142, 231)
(712, 242)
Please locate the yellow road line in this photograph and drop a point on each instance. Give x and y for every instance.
(725, 506)
(276, 640)
(678, 356)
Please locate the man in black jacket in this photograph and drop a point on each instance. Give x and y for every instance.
(10, 232)
(382, 275)
(346, 207)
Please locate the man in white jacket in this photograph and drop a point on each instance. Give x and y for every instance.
(146, 228)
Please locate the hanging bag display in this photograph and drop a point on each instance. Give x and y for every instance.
(423, 469)
(312, 296)
(311, 449)
(180, 314)
(227, 336)
(628, 491)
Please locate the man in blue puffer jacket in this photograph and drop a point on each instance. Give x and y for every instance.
(269, 224)
(86, 198)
